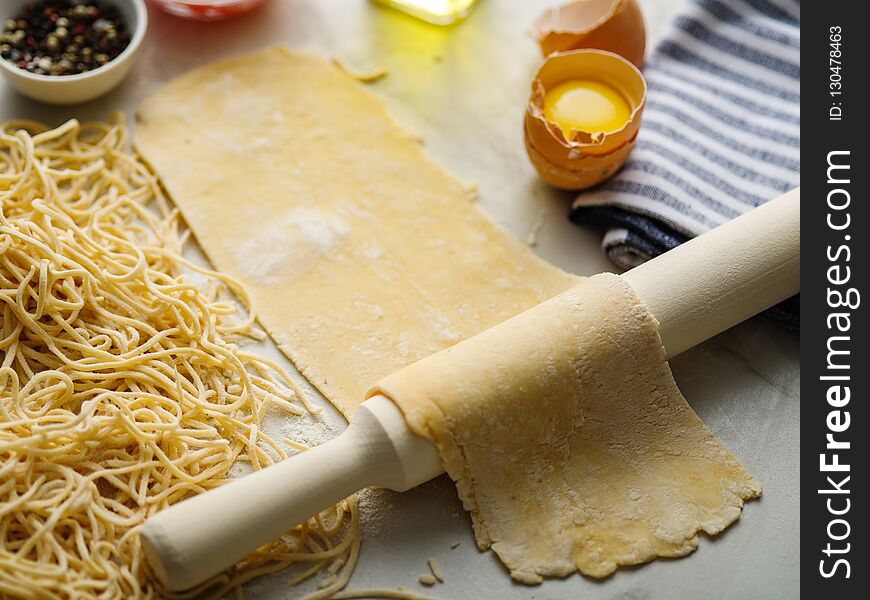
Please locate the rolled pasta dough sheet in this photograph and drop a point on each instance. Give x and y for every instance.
(568, 440)
(360, 253)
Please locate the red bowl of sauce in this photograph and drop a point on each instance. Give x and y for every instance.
(207, 10)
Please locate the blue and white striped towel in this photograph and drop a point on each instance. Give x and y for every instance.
(720, 132)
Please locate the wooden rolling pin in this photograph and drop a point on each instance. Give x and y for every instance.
(696, 290)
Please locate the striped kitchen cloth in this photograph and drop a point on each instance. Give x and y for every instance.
(720, 132)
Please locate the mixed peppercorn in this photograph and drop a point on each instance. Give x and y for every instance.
(63, 37)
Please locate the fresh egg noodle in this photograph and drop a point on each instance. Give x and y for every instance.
(122, 387)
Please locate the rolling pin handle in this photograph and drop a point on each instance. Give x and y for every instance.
(200, 536)
(716, 280)
(403, 460)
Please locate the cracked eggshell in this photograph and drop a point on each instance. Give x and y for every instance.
(587, 158)
(613, 25)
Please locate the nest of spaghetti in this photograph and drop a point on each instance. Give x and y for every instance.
(123, 384)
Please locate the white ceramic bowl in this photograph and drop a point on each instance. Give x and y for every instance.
(81, 87)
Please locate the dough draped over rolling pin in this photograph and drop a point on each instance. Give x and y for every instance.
(568, 440)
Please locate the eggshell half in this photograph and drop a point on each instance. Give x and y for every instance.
(613, 25)
(586, 159)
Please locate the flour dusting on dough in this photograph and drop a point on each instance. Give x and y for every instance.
(286, 245)
(319, 230)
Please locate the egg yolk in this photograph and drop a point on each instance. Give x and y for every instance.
(586, 105)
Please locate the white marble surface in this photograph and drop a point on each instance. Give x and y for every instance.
(464, 88)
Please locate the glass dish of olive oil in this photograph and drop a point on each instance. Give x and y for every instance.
(439, 12)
